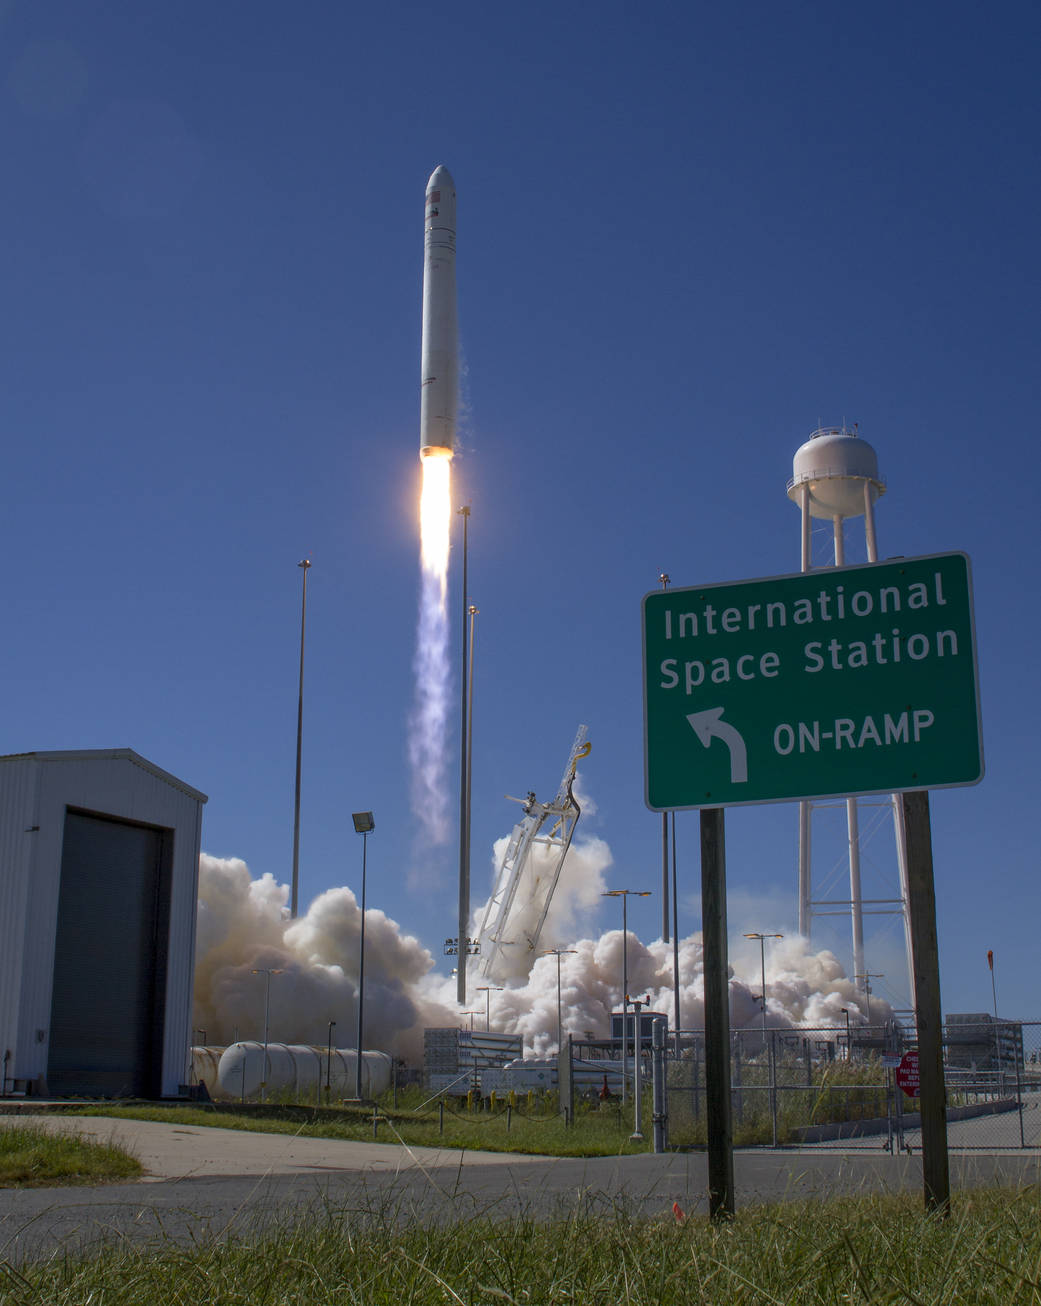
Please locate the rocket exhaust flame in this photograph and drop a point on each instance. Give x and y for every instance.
(435, 512)
(427, 736)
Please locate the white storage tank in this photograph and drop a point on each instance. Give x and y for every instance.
(203, 1067)
(836, 465)
(302, 1071)
(540, 1074)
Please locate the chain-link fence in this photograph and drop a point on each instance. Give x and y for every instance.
(838, 1087)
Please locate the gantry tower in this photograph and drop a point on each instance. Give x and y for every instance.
(528, 873)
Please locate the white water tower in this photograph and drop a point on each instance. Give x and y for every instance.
(835, 477)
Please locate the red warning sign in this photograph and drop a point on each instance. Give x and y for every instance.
(907, 1074)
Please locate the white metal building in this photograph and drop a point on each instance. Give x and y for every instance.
(99, 869)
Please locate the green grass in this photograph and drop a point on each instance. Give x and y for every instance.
(535, 1131)
(35, 1158)
(869, 1250)
(840, 1093)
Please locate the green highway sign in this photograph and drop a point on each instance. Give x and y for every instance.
(845, 681)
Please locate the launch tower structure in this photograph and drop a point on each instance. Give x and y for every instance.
(835, 477)
(522, 895)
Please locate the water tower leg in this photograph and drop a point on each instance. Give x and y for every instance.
(900, 831)
(805, 853)
(856, 904)
(869, 523)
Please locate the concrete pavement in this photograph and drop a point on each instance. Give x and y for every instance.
(183, 1152)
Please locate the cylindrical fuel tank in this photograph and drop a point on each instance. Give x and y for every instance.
(301, 1071)
(203, 1064)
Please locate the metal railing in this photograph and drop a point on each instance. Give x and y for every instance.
(833, 1087)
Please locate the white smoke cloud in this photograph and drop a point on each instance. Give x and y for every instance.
(243, 927)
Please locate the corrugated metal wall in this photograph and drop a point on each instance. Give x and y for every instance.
(17, 844)
(37, 790)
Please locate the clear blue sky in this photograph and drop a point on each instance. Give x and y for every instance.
(686, 233)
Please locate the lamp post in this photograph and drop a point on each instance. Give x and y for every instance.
(637, 1135)
(663, 579)
(768, 1045)
(294, 896)
(363, 825)
(464, 769)
(625, 895)
(849, 1036)
(994, 995)
(471, 1014)
(268, 971)
(488, 990)
(329, 1062)
(558, 953)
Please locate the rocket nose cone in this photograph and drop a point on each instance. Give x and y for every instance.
(440, 177)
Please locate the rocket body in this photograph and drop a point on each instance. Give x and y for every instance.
(439, 363)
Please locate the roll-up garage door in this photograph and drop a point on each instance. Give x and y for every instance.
(110, 959)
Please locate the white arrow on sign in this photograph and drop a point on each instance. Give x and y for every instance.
(708, 726)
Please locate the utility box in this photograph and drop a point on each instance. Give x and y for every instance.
(647, 1019)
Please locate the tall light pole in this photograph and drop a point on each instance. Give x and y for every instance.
(675, 940)
(471, 1014)
(558, 953)
(294, 895)
(664, 580)
(637, 1135)
(464, 761)
(363, 825)
(488, 990)
(768, 1046)
(625, 895)
(268, 971)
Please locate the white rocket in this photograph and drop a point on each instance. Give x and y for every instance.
(439, 366)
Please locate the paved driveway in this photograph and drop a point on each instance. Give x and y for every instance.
(184, 1152)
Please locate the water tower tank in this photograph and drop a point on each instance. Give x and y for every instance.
(836, 464)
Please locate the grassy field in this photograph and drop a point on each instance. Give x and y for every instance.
(537, 1130)
(535, 1126)
(37, 1158)
(872, 1250)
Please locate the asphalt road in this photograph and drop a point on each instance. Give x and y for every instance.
(219, 1183)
